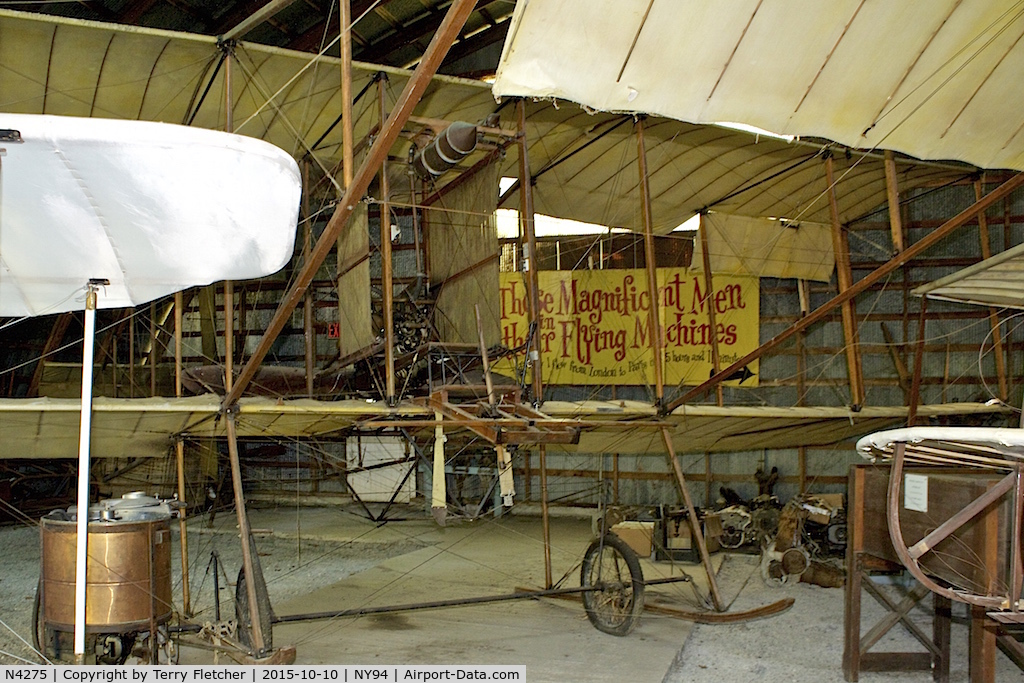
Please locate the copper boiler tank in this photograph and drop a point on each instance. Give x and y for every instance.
(128, 574)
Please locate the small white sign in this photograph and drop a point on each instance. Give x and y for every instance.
(915, 492)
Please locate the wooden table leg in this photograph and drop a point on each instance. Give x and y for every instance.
(982, 647)
(851, 626)
(940, 631)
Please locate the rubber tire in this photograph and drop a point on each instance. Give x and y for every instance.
(242, 606)
(597, 602)
(40, 639)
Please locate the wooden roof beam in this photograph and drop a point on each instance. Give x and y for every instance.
(376, 51)
(312, 37)
(251, 19)
(479, 41)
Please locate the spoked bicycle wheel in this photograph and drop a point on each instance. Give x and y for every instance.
(613, 570)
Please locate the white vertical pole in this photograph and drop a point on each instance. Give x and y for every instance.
(83, 470)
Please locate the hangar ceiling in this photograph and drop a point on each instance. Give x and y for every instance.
(583, 162)
(389, 32)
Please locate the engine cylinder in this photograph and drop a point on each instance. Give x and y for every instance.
(450, 147)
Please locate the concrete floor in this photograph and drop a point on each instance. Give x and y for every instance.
(552, 638)
(329, 559)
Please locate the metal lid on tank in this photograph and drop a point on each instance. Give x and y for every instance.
(131, 507)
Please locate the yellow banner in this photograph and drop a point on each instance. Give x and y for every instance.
(595, 325)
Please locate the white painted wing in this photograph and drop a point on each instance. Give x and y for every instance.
(935, 80)
(153, 208)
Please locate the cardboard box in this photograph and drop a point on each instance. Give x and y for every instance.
(638, 535)
(679, 543)
(834, 501)
(713, 532)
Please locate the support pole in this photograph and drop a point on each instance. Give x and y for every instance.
(258, 637)
(651, 264)
(892, 192)
(60, 326)
(152, 349)
(309, 340)
(526, 218)
(85, 430)
(840, 246)
(229, 334)
(131, 354)
(993, 315)
(505, 477)
(229, 288)
(442, 41)
(484, 360)
(691, 513)
(345, 46)
(545, 516)
(710, 299)
(179, 446)
(438, 487)
(859, 287)
(347, 141)
(915, 386)
(179, 303)
(386, 274)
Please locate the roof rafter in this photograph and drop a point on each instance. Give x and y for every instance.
(311, 38)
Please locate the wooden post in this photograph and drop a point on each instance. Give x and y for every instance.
(229, 288)
(896, 230)
(983, 630)
(179, 302)
(60, 326)
(709, 298)
(152, 349)
(841, 248)
(854, 546)
(801, 454)
(131, 354)
(892, 193)
(915, 385)
(993, 315)
(526, 218)
(698, 533)
(708, 478)
(113, 362)
(258, 637)
(229, 334)
(545, 518)
(651, 264)
(347, 139)
(804, 296)
(386, 274)
(179, 445)
(615, 478)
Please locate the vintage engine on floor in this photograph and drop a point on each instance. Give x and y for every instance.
(128, 580)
